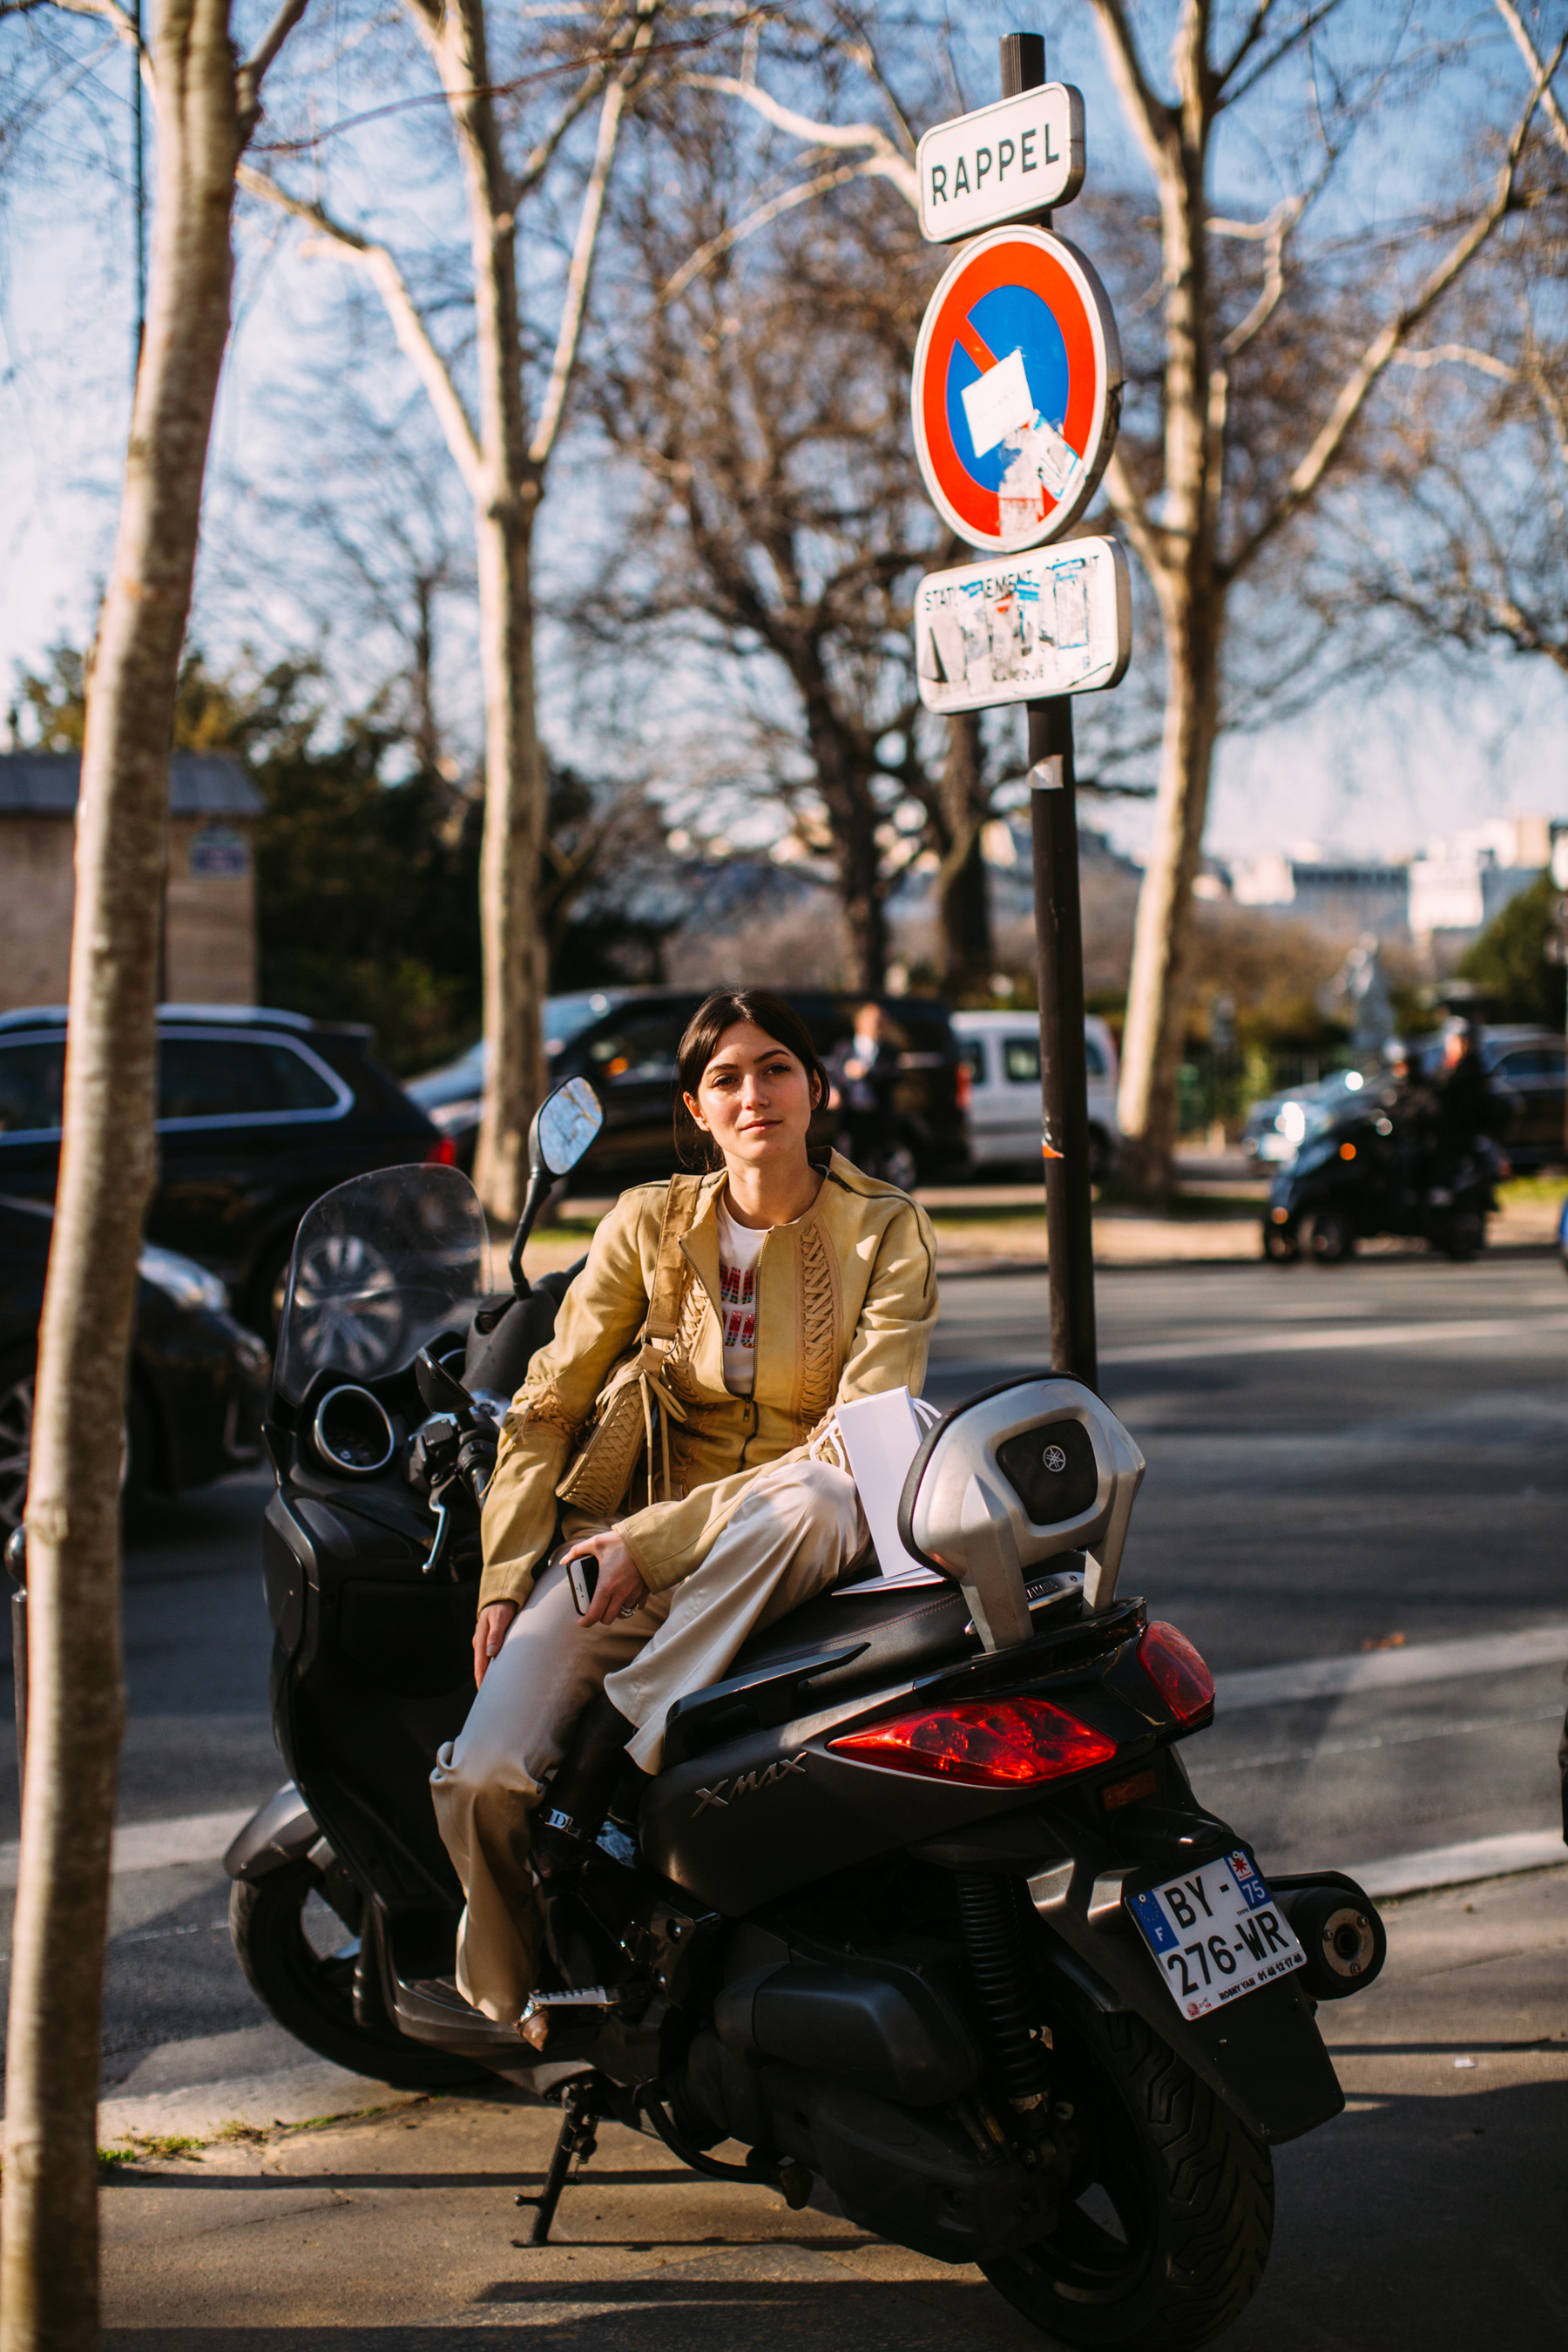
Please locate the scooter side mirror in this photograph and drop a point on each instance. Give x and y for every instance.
(565, 1126)
(1035, 1469)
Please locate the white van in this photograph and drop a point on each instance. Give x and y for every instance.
(1002, 1053)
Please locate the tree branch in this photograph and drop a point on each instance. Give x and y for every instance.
(1458, 355)
(1281, 49)
(253, 72)
(1380, 352)
(716, 246)
(1133, 515)
(831, 135)
(1276, 229)
(578, 277)
(1526, 49)
(413, 336)
(1146, 111)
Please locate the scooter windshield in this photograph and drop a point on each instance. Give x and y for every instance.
(379, 1267)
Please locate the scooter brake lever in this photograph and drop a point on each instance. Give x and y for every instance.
(436, 1557)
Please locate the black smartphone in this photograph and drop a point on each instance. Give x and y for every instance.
(583, 1572)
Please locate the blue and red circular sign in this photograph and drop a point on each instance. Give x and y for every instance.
(1017, 389)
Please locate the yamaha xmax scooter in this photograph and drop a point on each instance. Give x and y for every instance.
(921, 1910)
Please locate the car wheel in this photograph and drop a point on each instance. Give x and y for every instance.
(1280, 1245)
(1102, 1157)
(1331, 1240)
(17, 1385)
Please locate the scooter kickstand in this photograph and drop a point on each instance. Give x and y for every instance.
(578, 2136)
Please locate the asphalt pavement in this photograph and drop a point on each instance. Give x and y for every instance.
(1365, 1463)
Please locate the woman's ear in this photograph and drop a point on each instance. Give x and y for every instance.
(694, 1115)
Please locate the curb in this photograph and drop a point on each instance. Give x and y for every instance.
(205, 2112)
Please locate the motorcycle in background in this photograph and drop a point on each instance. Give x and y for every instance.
(921, 1904)
(1355, 1176)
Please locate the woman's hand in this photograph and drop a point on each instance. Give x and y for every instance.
(620, 1588)
(495, 1618)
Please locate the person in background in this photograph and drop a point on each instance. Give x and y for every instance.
(863, 1069)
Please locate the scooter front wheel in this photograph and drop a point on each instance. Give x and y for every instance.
(1166, 2220)
(299, 1959)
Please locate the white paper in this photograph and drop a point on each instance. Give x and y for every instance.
(881, 1435)
(999, 403)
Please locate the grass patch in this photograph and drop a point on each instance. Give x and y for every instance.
(1526, 1192)
(151, 2148)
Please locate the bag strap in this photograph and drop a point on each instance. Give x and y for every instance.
(681, 1204)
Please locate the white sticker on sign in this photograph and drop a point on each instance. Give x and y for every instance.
(1000, 403)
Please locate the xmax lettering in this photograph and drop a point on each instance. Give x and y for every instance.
(744, 1782)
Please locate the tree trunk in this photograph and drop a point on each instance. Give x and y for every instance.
(1156, 1001)
(962, 893)
(48, 2276)
(1192, 615)
(513, 947)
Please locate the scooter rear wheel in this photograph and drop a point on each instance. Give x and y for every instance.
(278, 1936)
(1166, 2224)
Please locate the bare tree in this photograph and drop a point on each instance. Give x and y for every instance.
(1248, 426)
(206, 109)
(759, 386)
(502, 458)
(1472, 550)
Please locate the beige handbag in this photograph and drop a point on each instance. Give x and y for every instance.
(635, 1397)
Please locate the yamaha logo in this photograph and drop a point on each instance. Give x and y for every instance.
(1054, 1458)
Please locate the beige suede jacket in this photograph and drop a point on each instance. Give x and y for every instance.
(846, 1305)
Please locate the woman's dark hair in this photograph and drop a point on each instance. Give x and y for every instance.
(717, 1012)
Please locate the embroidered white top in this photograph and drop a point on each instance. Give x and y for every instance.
(739, 1247)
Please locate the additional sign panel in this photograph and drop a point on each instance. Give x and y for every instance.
(1216, 1934)
(1020, 157)
(1022, 627)
(1017, 389)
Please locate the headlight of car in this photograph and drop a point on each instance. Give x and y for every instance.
(182, 1279)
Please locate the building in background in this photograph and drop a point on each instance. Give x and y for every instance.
(209, 908)
(1440, 900)
(1355, 897)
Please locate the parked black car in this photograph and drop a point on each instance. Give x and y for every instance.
(259, 1113)
(625, 1039)
(198, 1381)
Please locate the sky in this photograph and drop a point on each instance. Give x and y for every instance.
(1370, 769)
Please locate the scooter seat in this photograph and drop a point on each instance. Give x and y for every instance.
(844, 1641)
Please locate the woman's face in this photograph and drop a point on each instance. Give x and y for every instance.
(753, 1099)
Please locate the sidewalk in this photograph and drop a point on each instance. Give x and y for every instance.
(1428, 2219)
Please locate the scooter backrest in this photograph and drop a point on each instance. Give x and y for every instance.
(1012, 1478)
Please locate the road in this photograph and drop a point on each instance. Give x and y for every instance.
(1365, 1462)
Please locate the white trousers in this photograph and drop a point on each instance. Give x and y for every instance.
(799, 1527)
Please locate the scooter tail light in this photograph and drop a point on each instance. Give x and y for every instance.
(965, 1085)
(1176, 1671)
(442, 1153)
(1009, 1743)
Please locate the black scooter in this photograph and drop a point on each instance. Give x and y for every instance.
(922, 1906)
(1357, 1176)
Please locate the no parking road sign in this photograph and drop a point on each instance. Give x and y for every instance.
(1017, 389)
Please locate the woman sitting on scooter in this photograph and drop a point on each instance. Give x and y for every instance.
(786, 1287)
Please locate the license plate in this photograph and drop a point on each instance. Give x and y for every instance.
(1217, 1933)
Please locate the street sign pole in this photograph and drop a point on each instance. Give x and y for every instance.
(1058, 938)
